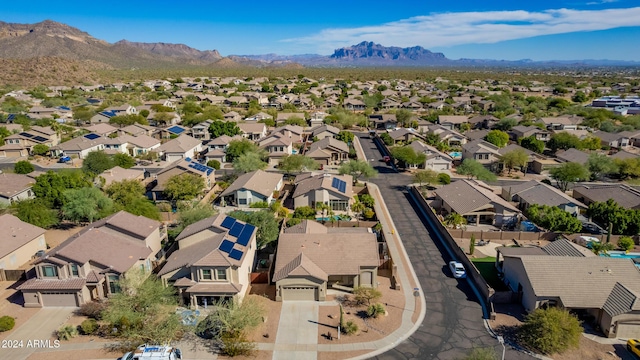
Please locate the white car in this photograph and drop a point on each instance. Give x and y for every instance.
(457, 270)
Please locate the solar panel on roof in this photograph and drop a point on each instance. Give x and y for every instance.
(40, 139)
(228, 222)
(343, 186)
(236, 229)
(209, 171)
(26, 134)
(226, 246)
(176, 129)
(334, 183)
(236, 254)
(245, 235)
(92, 136)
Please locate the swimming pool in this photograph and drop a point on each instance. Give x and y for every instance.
(335, 218)
(624, 255)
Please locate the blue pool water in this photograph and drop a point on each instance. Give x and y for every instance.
(335, 218)
(623, 255)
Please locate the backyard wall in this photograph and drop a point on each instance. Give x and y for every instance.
(480, 283)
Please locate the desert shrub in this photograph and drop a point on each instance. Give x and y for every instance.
(214, 164)
(236, 344)
(67, 332)
(444, 179)
(92, 309)
(7, 323)
(365, 295)
(375, 310)
(89, 326)
(259, 205)
(350, 328)
(482, 354)
(626, 243)
(551, 330)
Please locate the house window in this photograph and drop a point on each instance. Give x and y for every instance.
(242, 201)
(74, 270)
(113, 284)
(221, 274)
(206, 274)
(49, 271)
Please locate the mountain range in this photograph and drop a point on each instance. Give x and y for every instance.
(22, 43)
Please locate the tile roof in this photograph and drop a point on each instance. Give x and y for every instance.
(481, 146)
(53, 284)
(328, 143)
(181, 144)
(190, 255)
(307, 227)
(117, 174)
(212, 223)
(466, 196)
(261, 182)
(220, 288)
(624, 195)
(94, 277)
(332, 253)
(12, 184)
(136, 225)
(573, 155)
(621, 300)
(143, 141)
(535, 192)
(579, 282)
(306, 182)
(301, 265)
(15, 234)
(564, 247)
(101, 129)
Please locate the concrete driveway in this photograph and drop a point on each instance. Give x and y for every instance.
(41, 327)
(298, 327)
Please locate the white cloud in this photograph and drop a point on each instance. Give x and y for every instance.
(449, 29)
(600, 2)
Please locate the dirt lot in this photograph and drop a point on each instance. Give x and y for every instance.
(55, 236)
(510, 316)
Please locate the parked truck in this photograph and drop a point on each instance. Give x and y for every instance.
(153, 352)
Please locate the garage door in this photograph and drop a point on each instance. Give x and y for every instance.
(59, 299)
(300, 293)
(628, 331)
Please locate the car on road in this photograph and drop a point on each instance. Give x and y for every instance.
(457, 269)
(387, 159)
(64, 159)
(633, 345)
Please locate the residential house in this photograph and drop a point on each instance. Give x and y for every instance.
(450, 137)
(282, 117)
(404, 135)
(258, 117)
(102, 129)
(483, 121)
(232, 116)
(142, 144)
(278, 146)
(249, 188)
(572, 155)
(336, 191)
(253, 131)
(138, 129)
(354, 104)
(483, 152)
(520, 131)
(452, 122)
(604, 287)
(88, 265)
(79, 147)
(21, 143)
(515, 147)
(624, 195)
(322, 131)
(534, 192)
(158, 182)
(112, 111)
(217, 148)
(476, 201)
(328, 151)
(566, 122)
(171, 132)
(213, 263)
(116, 145)
(312, 258)
(615, 140)
(182, 147)
(20, 242)
(435, 160)
(201, 131)
(117, 174)
(383, 121)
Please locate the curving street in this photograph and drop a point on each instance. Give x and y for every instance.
(453, 323)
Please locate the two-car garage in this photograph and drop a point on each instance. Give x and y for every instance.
(50, 299)
(299, 293)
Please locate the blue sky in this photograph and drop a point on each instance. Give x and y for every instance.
(496, 29)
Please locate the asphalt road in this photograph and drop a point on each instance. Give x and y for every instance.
(454, 321)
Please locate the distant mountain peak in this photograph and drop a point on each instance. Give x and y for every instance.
(369, 52)
(174, 50)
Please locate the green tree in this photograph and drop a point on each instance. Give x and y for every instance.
(240, 147)
(365, 295)
(473, 168)
(128, 195)
(626, 243)
(304, 212)
(386, 139)
(219, 128)
(3, 134)
(49, 187)
(408, 156)
(624, 221)
(86, 204)
(506, 124)
(214, 164)
(517, 158)
(444, 178)
(40, 149)
(143, 310)
(591, 143)
(553, 218)
(185, 186)
(564, 141)
(600, 248)
(249, 162)
(97, 162)
(196, 213)
(427, 176)
(357, 169)
(600, 165)
(23, 167)
(533, 144)
(345, 136)
(265, 221)
(498, 138)
(472, 244)
(628, 168)
(35, 212)
(579, 97)
(404, 117)
(568, 173)
(454, 220)
(376, 310)
(129, 119)
(551, 331)
(125, 161)
(297, 163)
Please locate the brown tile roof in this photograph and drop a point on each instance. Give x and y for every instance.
(94, 277)
(101, 129)
(305, 183)
(136, 225)
(212, 223)
(535, 192)
(307, 227)
(181, 144)
(190, 255)
(580, 282)
(329, 143)
(143, 141)
(15, 234)
(117, 174)
(333, 253)
(53, 284)
(261, 182)
(12, 184)
(217, 288)
(624, 195)
(301, 265)
(183, 281)
(466, 196)
(573, 155)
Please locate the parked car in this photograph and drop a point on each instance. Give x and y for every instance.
(387, 159)
(151, 352)
(64, 159)
(633, 345)
(457, 270)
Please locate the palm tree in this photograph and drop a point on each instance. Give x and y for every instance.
(454, 220)
(600, 248)
(358, 207)
(323, 208)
